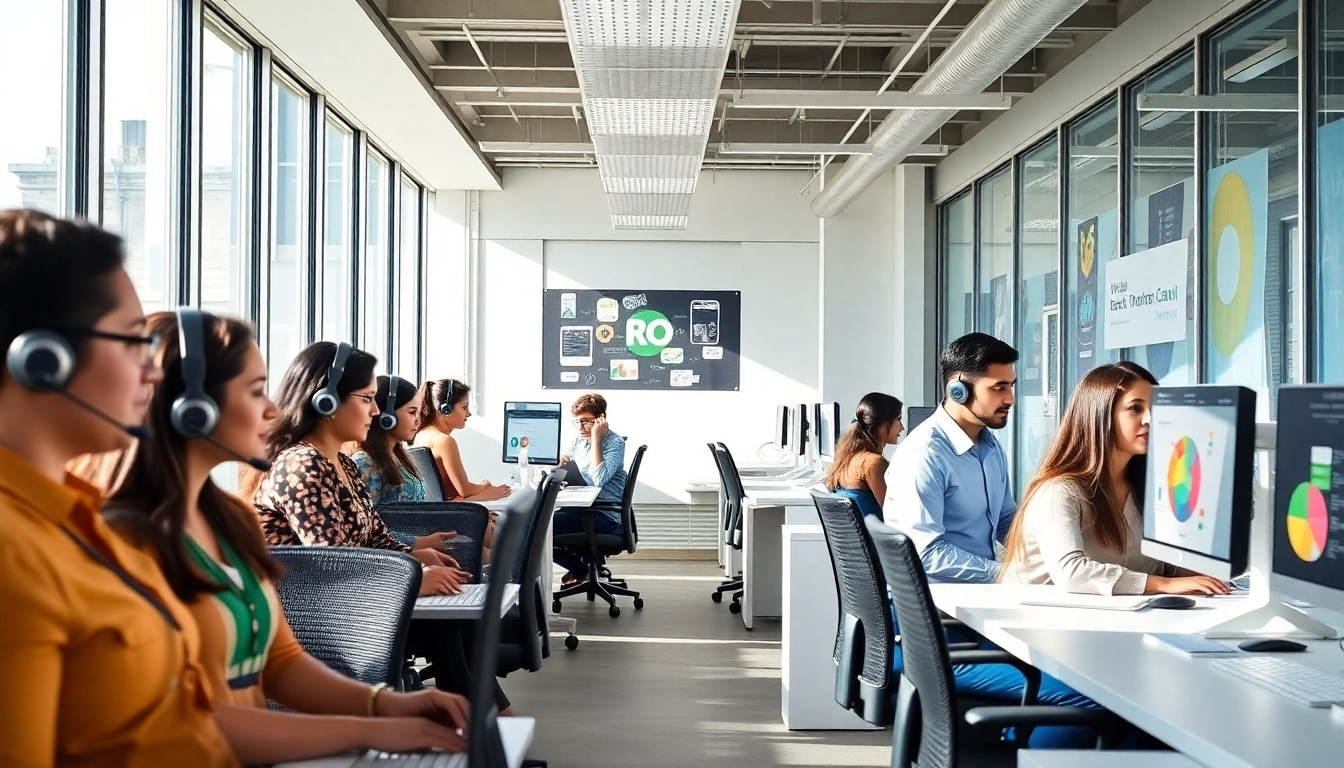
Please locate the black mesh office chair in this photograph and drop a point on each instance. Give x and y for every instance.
(350, 608)
(428, 469)
(595, 547)
(421, 518)
(733, 499)
(927, 723)
(525, 637)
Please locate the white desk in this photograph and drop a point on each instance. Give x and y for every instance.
(1213, 718)
(764, 513)
(515, 733)
(1078, 758)
(459, 612)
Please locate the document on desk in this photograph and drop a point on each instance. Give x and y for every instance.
(1095, 602)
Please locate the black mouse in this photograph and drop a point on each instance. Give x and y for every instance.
(1271, 645)
(1171, 601)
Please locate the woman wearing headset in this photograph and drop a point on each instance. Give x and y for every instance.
(383, 462)
(212, 408)
(446, 409)
(313, 493)
(99, 661)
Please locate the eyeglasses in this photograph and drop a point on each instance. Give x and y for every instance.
(368, 399)
(584, 422)
(149, 343)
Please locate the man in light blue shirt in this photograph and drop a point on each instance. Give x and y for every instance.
(599, 454)
(947, 485)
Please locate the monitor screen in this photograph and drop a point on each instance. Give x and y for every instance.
(916, 415)
(1198, 497)
(826, 424)
(540, 424)
(1309, 488)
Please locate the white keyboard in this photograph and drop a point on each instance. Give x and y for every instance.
(373, 759)
(471, 594)
(1288, 678)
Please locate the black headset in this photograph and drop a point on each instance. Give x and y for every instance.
(194, 413)
(446, 407)
(41, 360)
(327, 399)
(388, 418)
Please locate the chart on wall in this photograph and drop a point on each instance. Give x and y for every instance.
(1236, 226)
(640, 339)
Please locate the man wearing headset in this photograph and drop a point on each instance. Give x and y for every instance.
(947, 485)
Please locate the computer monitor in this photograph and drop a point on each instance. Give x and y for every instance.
(796, 429)
(916, 415)
(1308, 553)
(782, 426)
(540, 424)
(826, 425)
(1198, 497)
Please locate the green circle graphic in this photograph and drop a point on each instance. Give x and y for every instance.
(647, 332)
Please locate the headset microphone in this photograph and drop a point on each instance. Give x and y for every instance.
(261, 465)
(139, 433)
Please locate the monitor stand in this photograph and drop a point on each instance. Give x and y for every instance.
(1263, 614)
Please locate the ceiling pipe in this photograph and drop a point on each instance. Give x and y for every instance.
(1001, 34)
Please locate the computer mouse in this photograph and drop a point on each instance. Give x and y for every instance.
(1271, 645)
(1171, 601)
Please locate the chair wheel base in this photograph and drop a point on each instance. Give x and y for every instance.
(572, 642)
(555, 606)
(614, 612)
(735, 607)
(639, 604)
(716, 597)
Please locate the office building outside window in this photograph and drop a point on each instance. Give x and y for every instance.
(287, 284)
(225, 264)
(338, 244)
(30, 148)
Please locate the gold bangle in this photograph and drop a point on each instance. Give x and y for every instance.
(374, 690)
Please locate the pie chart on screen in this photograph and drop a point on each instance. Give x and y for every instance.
(1183, 479)
(1308, 522)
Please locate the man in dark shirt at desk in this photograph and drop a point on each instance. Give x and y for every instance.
(599, 455)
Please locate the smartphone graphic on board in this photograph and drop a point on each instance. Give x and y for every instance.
(705, 321)
(576, 345)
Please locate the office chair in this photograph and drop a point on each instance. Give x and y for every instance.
(525, 637)
(350, 608)
(421, 518)
(927, 729)
(428, 469)
(594, 548)
(734, 496)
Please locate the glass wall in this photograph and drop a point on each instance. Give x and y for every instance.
(994, 259)
(958, 269)
(1038, 321)
(226, 194)
(338, 239)
(375, 284)
(1251, 201)
(30, 148)
(1330, 189)
(409, 271)
(136, 104)
(1091, 235)
(288, 279)
(1162, 201)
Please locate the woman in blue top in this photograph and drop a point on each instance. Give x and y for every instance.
(858, 470)
(389, 476)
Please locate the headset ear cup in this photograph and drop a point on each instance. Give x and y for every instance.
(41, 361)
(193, 417)
(958, 392)
(324, 403)
(388, 421)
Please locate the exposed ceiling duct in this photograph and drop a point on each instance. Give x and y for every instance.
(649, 72)
(1001, 34)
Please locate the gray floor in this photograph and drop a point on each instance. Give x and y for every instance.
(680, 683)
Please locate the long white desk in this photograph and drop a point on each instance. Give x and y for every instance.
(449, 612)
(515, 733)
(765, 511)
(1213, 718)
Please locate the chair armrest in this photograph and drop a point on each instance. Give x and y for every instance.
(1032, 675)
(950, 646)
(1110, 728)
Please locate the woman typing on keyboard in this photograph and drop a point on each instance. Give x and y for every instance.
(210, 548)
(1079, 524)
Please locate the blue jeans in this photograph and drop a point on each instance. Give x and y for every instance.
(570, 521)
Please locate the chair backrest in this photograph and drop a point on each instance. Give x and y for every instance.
(421, 518)
(723, 483)
(864, 642)
(428, 469)
(927, 681)
(484, 748)
(350, 608)
(533, 556)
(628, 523)
(736, 495)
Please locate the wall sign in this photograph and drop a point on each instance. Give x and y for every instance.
(610, 339)
(1145, 297)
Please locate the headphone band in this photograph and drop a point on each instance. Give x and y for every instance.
(393, 384)
(191, 347)
(447, 406)
(337, 369)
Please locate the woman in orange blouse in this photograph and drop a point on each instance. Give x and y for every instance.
(99, 661)
(212, 552)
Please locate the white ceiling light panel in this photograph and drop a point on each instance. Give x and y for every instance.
(649, 72)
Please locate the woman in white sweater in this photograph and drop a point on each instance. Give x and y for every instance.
(1080, 522)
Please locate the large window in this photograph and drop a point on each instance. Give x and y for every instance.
(287, 285)
(375, 287)
(958, 273)
(1330, 191)
(1091, 234)
(31, 86)
(338, 244)
(136, 102)
(1162, 198)
(408, 283)
(997, 283)
(1251, 201)
(226, 193)
(1038, 320)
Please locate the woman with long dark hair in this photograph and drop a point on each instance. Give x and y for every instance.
(206, 413)
(383, 463)
(445, 409)
(313, 493)
(1080, 522)
(859, 469)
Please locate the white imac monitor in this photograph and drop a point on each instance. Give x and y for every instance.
(1198, 497)
(539, 423)
(781, 436)
(826, 424)
(1308, 554)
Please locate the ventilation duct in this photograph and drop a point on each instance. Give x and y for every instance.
(650, 73)
(1003, 32)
